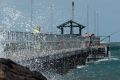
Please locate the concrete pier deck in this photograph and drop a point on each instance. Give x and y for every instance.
(51, 54)
(59, 60)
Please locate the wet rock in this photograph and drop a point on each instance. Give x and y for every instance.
(9, 70)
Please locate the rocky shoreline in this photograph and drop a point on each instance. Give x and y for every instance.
(10, 70)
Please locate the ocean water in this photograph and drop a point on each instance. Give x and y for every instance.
(105, 69)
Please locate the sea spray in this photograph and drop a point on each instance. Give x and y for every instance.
(14, 20)
(2, 45)
(11, 20)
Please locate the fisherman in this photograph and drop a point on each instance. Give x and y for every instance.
(92, 37)
(86, 35)
(86, 40)
(94, 40)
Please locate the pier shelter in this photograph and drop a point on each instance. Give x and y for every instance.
(71, 24)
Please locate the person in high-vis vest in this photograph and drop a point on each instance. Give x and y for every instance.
(36, 32)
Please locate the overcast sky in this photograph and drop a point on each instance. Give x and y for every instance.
(49, 17)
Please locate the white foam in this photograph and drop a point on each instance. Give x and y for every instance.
(81, 66)
(101, 60)
(115, 59)
(106, 59)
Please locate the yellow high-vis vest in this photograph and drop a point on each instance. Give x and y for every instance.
(36, 29)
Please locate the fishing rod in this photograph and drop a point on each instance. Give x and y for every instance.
(108, 36)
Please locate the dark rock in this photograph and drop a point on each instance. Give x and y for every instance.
(9, 70)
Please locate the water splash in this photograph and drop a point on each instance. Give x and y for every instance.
(53, 76)
(2, 55)
(12, 19)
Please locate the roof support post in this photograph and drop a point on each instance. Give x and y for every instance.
(80, 32)
(71, 28)
(62, 30)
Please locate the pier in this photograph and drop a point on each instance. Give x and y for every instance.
(61, 52)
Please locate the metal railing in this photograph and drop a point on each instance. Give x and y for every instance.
(24, 44)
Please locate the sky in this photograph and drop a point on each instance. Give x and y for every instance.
(50, 13)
